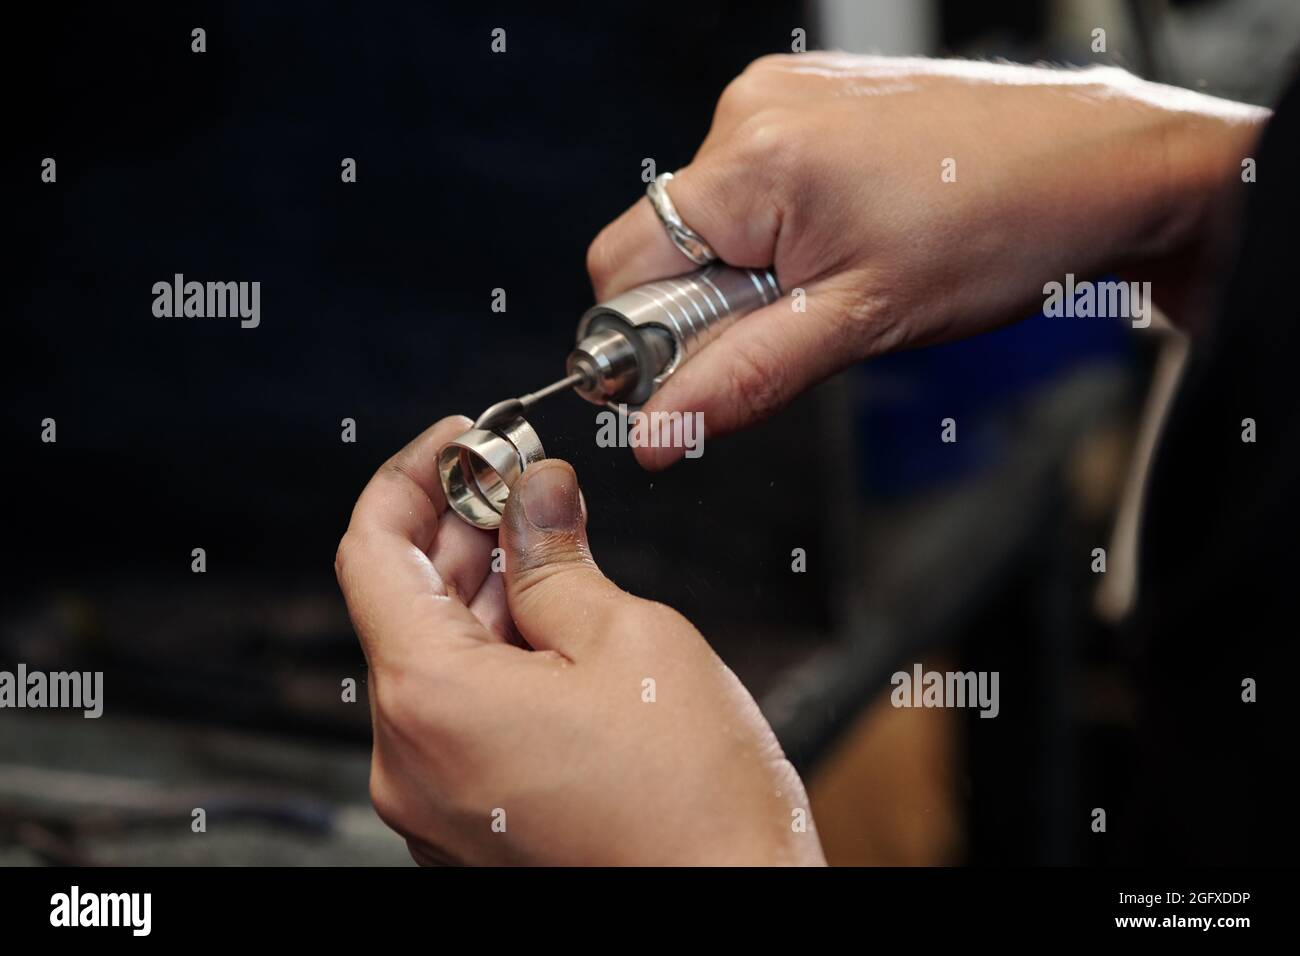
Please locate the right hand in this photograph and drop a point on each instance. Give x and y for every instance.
(828, 168)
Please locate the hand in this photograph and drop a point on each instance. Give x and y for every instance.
(519, 698)
(828, 167)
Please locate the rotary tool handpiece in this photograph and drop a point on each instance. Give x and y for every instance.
(630, 345)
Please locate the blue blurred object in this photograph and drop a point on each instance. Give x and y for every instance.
(901, 400)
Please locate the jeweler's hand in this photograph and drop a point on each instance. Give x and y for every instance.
(915, 201)
(544, 715)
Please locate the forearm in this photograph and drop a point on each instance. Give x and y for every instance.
(1150, 193)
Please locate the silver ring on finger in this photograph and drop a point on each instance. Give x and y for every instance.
(689, 242)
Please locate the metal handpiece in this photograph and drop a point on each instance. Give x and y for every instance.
(629, 346)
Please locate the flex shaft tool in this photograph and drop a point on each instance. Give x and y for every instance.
(626, 349)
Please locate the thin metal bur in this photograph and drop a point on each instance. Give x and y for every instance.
(514, 407)
(532, 398)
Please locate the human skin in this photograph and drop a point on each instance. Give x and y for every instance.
(524, 691)
(827, 167)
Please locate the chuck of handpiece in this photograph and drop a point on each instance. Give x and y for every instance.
(619, 363)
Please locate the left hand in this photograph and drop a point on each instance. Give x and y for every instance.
(510, 711)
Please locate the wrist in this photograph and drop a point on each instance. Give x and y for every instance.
(1203, 150)
(1195, 209)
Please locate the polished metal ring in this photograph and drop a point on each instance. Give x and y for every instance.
(479, 467)
(689, 242)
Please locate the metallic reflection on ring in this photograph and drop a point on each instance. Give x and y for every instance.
(689, 242)
(479, 467)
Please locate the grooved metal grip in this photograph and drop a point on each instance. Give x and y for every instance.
(693, 309)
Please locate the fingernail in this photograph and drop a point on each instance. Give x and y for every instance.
(551, 498)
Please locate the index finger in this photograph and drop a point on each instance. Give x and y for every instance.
(396, 597)
(720, 195)
(405, 496)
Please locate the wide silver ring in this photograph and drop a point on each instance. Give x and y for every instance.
(689, 242)
(479, 467)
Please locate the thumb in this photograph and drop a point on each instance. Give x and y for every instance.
(557, 596)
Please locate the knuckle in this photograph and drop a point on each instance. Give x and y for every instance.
(632, 628)
(648, 630)
(343, 555)
(763, 135)
(842, 323)
(422, 718)
(771, 147)
(538, 575)
(349, 553)
(556, 553)
(757, 381)
(384, 798)
(663, 619)
(390, 698)
(753, 89)
(737, 98)
(406, 705)
(858, 323)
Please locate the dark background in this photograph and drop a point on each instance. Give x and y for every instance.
(475, 171)
(479, 171)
